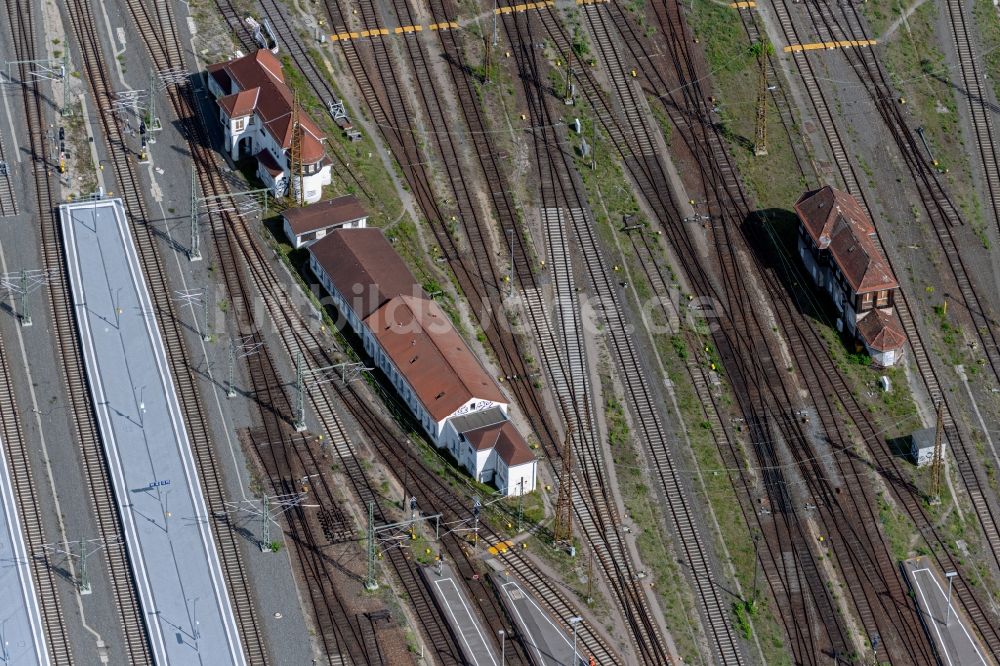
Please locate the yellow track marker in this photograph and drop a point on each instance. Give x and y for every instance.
(817, 46)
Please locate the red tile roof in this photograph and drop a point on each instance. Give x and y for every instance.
(507, 441)
(240, 104)
(261, 71)
(424, 345)
(881, 331)
(364, 268)
(324, 214)
(836, 222)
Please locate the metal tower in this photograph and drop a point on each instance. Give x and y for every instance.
(297, 167)
(563, 529)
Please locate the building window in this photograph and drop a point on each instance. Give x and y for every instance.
(239, 124)
(882, 300)
(866, 301)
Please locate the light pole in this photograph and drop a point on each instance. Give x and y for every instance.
(503, 646)
(575, 621)
(949, 575)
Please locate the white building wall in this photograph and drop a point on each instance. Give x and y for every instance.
(510, 480)
(485, 464)
(297, 242)
(883, 358)
(261, 139)
(443, 432)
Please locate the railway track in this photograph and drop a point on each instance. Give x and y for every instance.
(8, 200)
(158, 28)
(15, 448)
(393, 128)
(338, 631)
(437, 631)
(861, 417)
(793, 566)
(977, 97)
(92, 454)
(716, 613)
(943, 216)
(873, 551)
(283, 458)
(16, 453)
(299, 338)
(626, 41)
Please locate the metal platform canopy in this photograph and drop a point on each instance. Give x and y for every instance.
(22, 640)
(178, 575)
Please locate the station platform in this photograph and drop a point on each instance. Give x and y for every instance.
(22, 640)
(546, 643)
(957, 645)
(476, 646)
(178, 575)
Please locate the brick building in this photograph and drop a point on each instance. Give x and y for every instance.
(837, 245)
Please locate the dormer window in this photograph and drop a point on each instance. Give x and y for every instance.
(239, 124)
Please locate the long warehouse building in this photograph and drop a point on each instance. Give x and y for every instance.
(411, 339)
(171, 550)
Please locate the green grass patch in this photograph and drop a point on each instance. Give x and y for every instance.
(773, 179)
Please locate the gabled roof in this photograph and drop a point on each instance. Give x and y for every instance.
(819, 210)
(836, 222)
(324, 214)
(424, 345)
(260, 73)
(246, 72)
(240, 104)
(505, 439)
(364, 268)
(882, 332)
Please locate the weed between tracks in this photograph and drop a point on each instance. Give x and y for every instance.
(772, 180)
(919, 72)
(80, 162)
(384, 204)
(987, 23)
(606, 184)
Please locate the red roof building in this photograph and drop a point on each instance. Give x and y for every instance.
(421, 341)
(837, 243)
(414, 343)
(836, 223)
(255, 106)
(310, 223)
